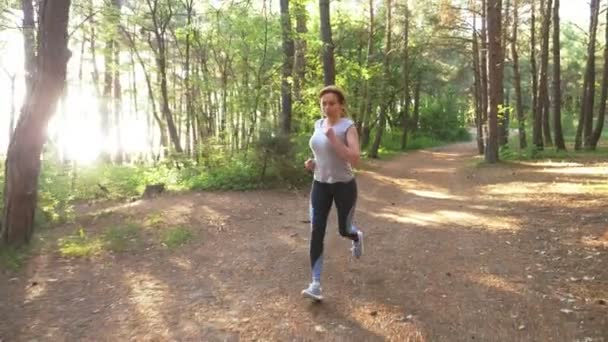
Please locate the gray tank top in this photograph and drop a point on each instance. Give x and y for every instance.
(329, 167)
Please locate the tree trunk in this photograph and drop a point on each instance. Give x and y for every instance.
(503, 116)
(417, 90)
(23, 158)
(597, 133)
(160, 22)
(586, 114)
(384, 105)
(537, 137)
(517, 80)
(484, 64)
(288, 52)
(406, 78)
(189, 6)
(477, 87)
(329, 68)
(29, 42)
(543, 90)
(557, 92)
(118, 106)
(152, 99)
(106, 98)
(495, 70)
(300, 50)
(366, 104)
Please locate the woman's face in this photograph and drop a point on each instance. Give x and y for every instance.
(331, 106)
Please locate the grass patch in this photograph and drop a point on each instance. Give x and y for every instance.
(122, 238)
(154, 219)
(80, 245)
(12, 258)
(512, 152)
(176, 236)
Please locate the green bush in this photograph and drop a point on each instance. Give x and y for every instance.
(443, 118)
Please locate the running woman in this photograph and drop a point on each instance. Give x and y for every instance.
(335, 146)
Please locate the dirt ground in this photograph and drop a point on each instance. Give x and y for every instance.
(453, 252)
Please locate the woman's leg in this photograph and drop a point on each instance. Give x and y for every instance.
(345, 196)
(320, 205)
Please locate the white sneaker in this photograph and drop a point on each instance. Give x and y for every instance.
(357, 248)
(313, 291)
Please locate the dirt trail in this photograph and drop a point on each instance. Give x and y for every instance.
(453, 252)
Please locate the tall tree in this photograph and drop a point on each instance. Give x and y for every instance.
(543, 84)
(585, 122)
(484, 62)
(387, 73)
(300, 49)
(557, 90)
(406, 76)
(162, 14)
(365, 109)
(477, 85)
(537, 127)
(29, 42)
(504, 114)
(495, 76)
(23, 157)
(602, 110)
(190, 117)
(519, 106)
(286, 80)
(329, 68)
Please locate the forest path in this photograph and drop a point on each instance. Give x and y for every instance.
(453, 252)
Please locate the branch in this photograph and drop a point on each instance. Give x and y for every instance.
(87, 18)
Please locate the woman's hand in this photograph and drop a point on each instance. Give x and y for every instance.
(309, 164)
(330, 134)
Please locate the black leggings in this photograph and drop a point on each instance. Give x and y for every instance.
(321, 197)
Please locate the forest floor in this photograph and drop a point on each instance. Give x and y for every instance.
(454, 251)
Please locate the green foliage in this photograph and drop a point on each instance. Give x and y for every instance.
(11, 258)
(512, 152)
(122, 238)
(281, 157)
(79, 245)
(175, 237)
(443, 118)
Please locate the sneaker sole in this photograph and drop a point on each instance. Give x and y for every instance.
(312, 296)
(360, 234)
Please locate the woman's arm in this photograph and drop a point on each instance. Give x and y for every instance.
(349, 152)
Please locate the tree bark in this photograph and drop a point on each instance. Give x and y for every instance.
(543, 90)
(161, 20)
(484, 64)
(537, 137)
(288, 54)
(517, 80)
(29, 42)
(585, 122)
(597, 133)
(366, 104)
(477, 87)
(189, 7)
(300, 50)
(329, 68)
(385, 100)
(406, 78)
(495, 75)
(503, 116)
(417, 91)
(23, 158)
(557, 92)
